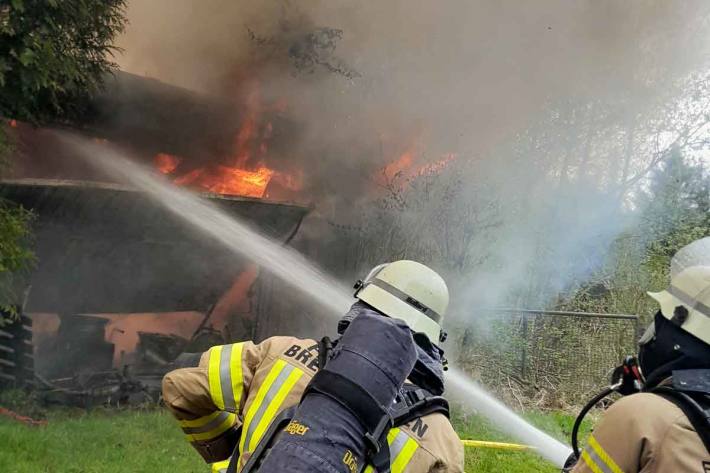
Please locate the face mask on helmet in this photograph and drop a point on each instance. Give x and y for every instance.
(679, 337)
(648, 335)
(665, 347)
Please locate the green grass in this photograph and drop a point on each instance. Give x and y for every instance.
(556, 424)
(149, 441)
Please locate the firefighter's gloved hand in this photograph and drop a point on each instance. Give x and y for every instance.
(375, 353)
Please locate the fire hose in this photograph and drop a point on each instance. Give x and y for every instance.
(582, 414)
(495, 445)
(626, 379)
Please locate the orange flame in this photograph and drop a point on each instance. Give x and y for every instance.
(403, 167)
(437, 166)
(245, 174)
(166, 163)
(236, 298)
(122, 330)
(400, 165)
(227, 180)
(292, 182)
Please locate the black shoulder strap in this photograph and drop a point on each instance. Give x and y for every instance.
(325, 347)
(417, 402)
(353, 397)
(380, 460)
(698, 415)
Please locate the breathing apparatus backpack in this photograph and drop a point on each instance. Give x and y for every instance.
(412, 403)
(690, 391)
(345, 412)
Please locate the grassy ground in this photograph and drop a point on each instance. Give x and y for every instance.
(557, 424)
(149, 441)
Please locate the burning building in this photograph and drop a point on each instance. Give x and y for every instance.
(118, 281)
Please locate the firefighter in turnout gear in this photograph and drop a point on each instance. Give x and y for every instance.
(664, 428)
(231, 403)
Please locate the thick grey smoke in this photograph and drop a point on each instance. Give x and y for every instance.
(459, 75)
(551, 107)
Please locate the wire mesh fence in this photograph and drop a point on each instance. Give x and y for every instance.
(546, 357)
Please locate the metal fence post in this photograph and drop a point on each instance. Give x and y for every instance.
(524, 352)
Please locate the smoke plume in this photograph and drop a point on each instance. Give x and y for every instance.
(549, 108)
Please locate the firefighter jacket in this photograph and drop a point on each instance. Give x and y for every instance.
(644, 433)
(235, 392)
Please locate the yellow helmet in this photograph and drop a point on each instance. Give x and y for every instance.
(408, 291)
(690, 288)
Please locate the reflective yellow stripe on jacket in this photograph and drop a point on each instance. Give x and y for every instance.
(598, 460)
(208, 427)
(402, 448)
(271, 394)
(219, 467)
(225, 376)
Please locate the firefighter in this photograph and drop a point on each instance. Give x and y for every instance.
(665, 427)
(227, 402)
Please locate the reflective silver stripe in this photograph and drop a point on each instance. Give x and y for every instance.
(691, 302)
(225, 377)
(397, 445)
(428, 311)
(601, 464)
(211, 425)
(270, 394)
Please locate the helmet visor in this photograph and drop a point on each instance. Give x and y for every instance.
(694, 254)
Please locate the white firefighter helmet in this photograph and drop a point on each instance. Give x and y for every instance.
(408, 291)
(690, 288)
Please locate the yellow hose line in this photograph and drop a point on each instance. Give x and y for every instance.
(496, 445)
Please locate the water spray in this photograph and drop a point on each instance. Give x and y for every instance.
(291, 267)
(473, 396)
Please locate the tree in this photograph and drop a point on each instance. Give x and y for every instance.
(15, 253)
(54, 55)
(673, 211)
(677, 211)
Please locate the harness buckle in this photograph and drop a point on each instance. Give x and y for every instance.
(373, 445)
